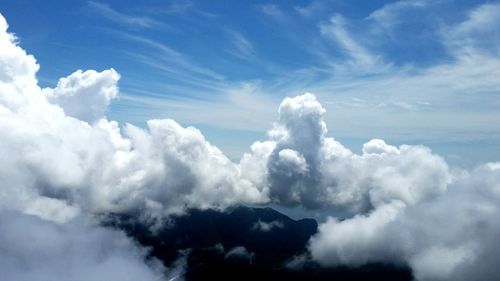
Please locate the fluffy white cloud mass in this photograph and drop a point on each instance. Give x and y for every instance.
(301, 165)
(85, 95)
(452, 237)
(63, 161)
(61, 156)
(36, 249)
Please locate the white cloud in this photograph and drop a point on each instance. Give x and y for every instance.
(243, 48)
(477, 34)
(53, 156)
(275, 12)
(451, 237)
(17, 71)
(307, 167)
(392, 14)
(85, 95)
(173, 62)
(355, 241)
(377, 146)
(63, 169)
(239, 252)
(360, 58)
(122, 18)
(267, 226)
(314, 8)
(35, 249)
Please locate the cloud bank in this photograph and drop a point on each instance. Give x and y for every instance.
(63, 161)
(36, 249)
(452, 237)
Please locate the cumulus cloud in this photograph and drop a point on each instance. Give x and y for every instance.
(60, 149)
(301, 165)
(63, 160)
(46, 158)
(407, 205)
(85, 95)
(355, 241)
(452, 237)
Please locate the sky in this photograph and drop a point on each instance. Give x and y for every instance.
(382, 118)
(409, 72)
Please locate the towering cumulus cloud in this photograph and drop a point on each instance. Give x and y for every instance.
(407, 206)
(300, 165)
(63, 164)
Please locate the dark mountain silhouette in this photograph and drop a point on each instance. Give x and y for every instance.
(244, 244)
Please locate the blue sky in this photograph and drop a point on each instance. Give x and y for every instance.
(417, 72)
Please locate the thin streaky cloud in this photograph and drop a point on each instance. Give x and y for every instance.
(174, 57)
(477, 34)
(178, 57)
(163, 64)
(274, 12)
(390, 15)
(360, 57)
(312, 9)
(242, 47)
(106, 11)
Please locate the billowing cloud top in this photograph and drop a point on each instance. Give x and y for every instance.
(64, 156)
(85, 95)
(62, 160)
(309, 168)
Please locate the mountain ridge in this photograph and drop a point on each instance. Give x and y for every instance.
(243, 243)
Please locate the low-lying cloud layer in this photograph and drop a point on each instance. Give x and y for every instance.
(36, 249)
(64, 161)
(451, 237)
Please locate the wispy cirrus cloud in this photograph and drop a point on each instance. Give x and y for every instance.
(314, 8)
(364, 67)
(132, 21)
(274, 12)
(393, 14)
(360, 58)
(477, 34)
(172, 61)
(243, 48)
